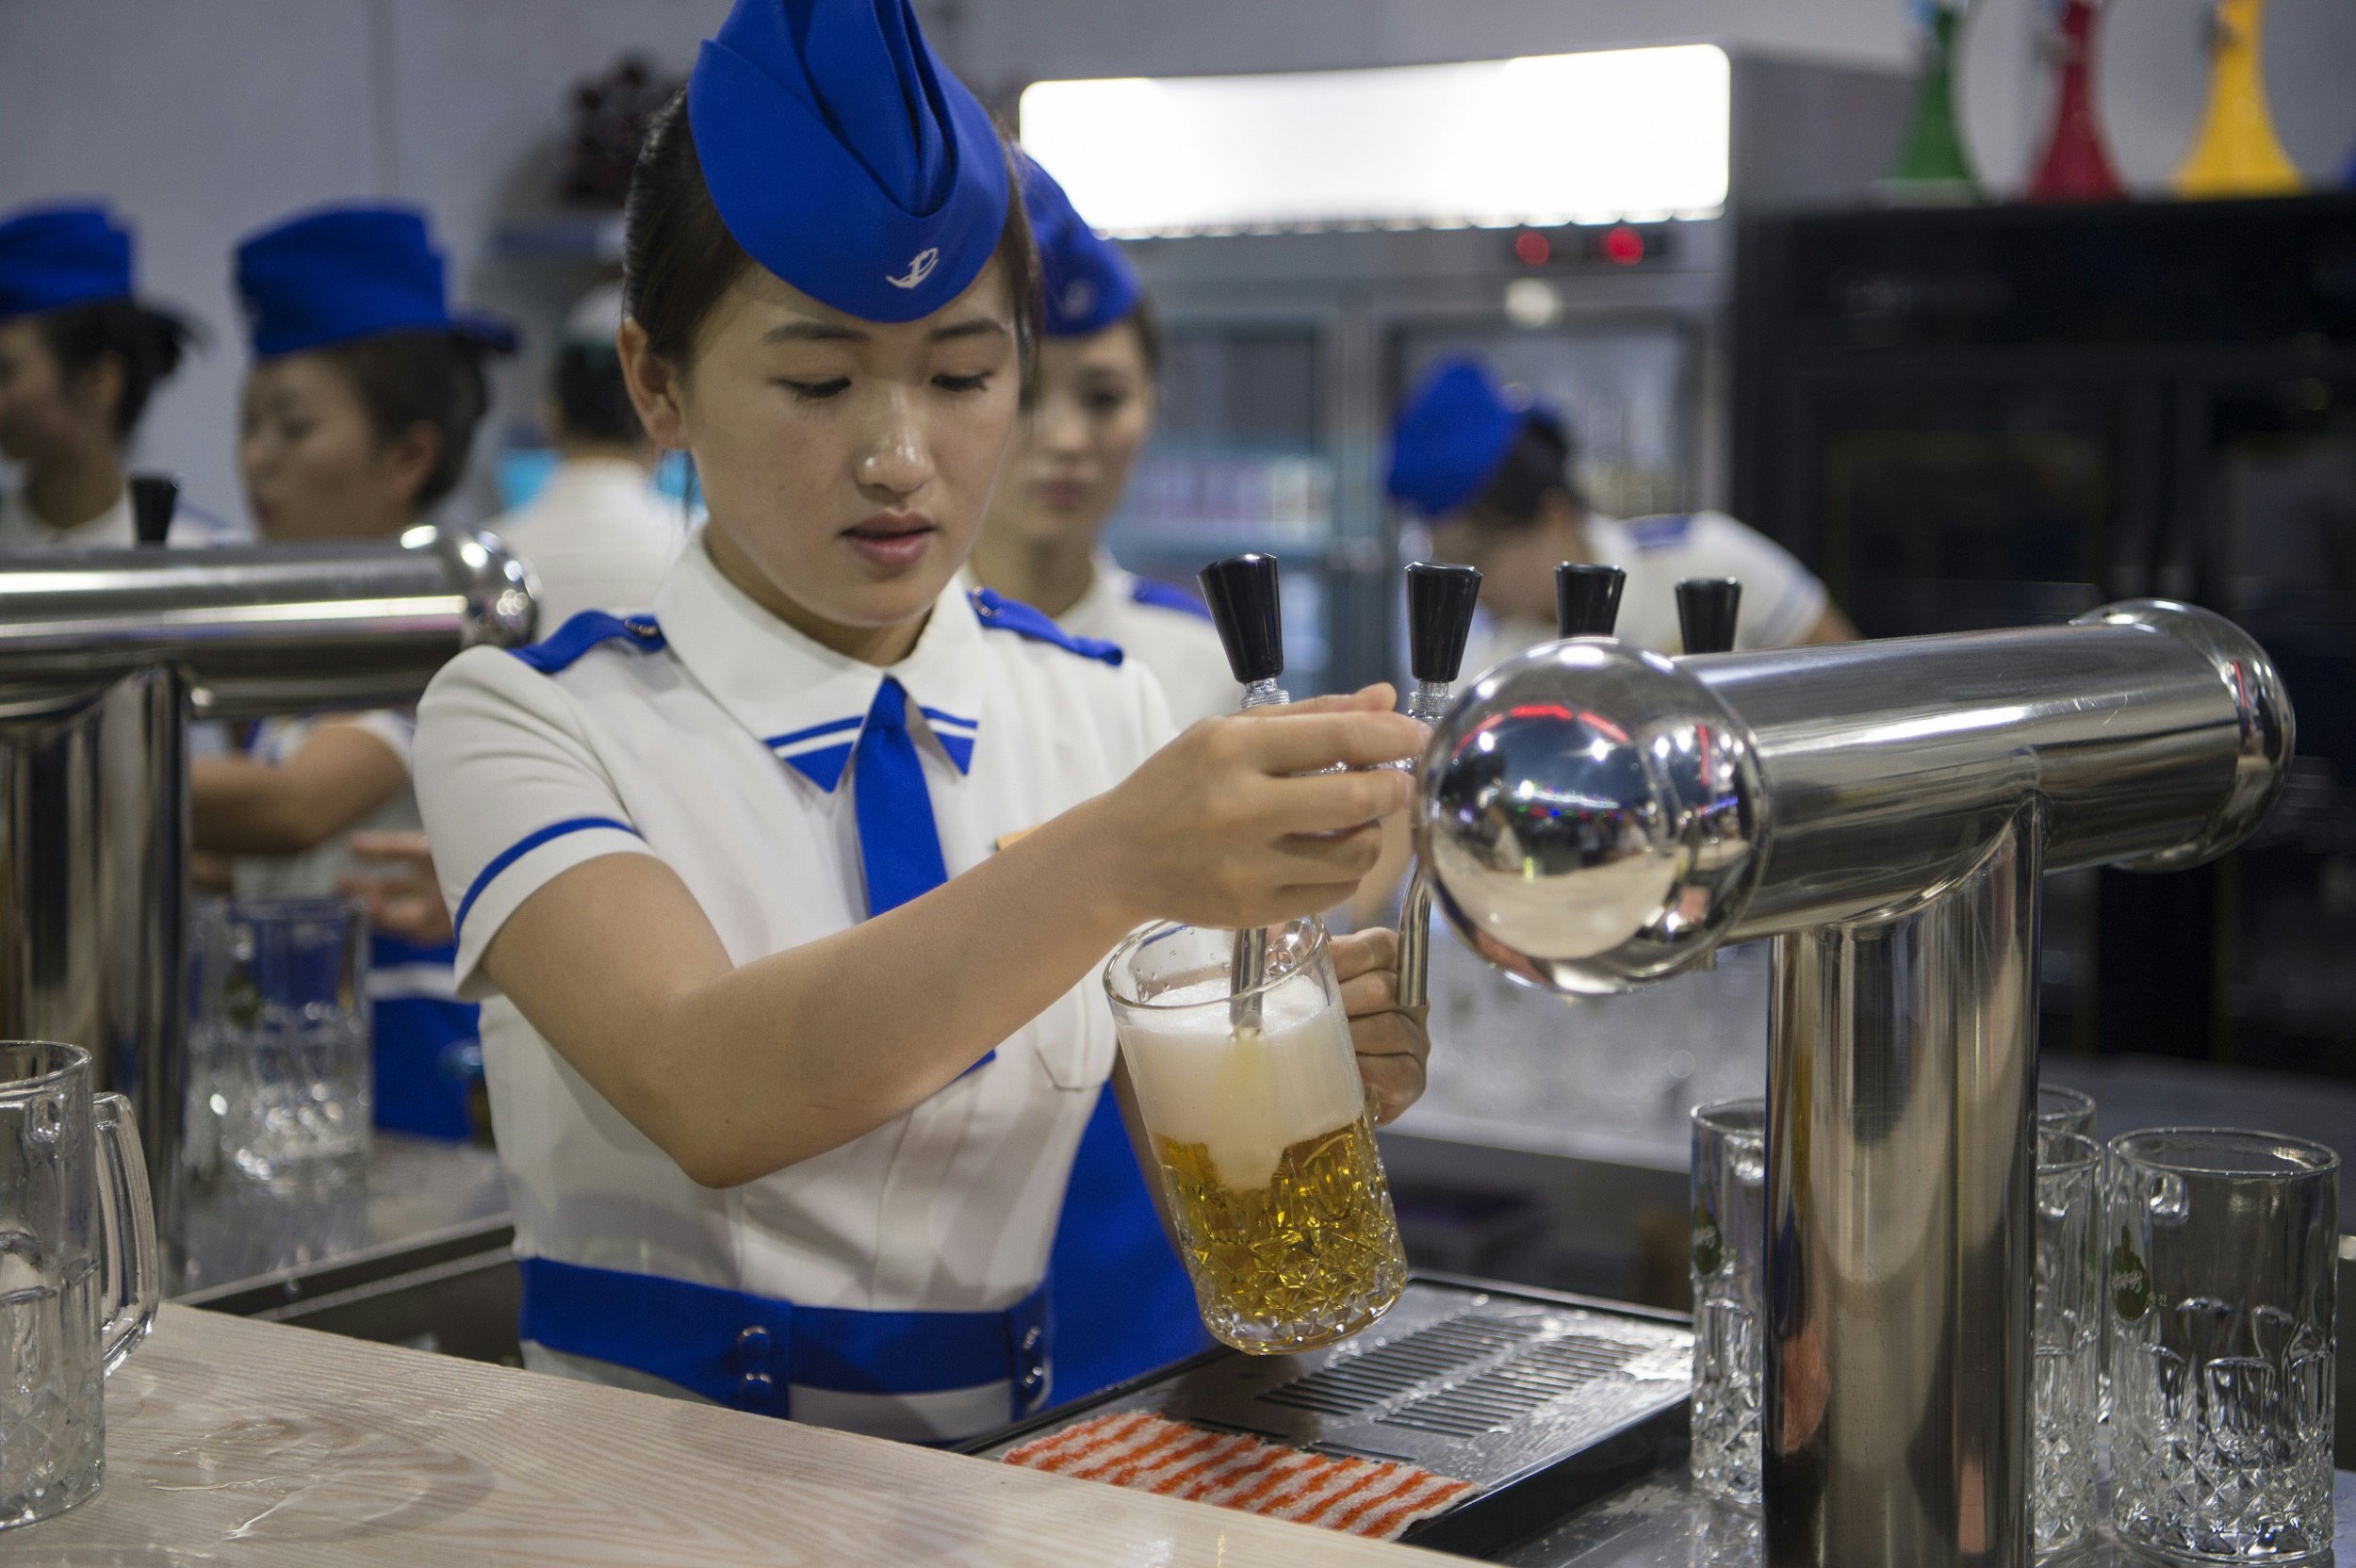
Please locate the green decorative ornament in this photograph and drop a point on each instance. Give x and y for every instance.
(2131, 1283)
(241, 1000)
(1932, 166)
(1709, 1244)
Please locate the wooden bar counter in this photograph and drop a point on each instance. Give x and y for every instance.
(230, 1441)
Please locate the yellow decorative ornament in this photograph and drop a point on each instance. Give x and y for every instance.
(2236, 152)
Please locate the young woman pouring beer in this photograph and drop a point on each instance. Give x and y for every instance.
(786, 903)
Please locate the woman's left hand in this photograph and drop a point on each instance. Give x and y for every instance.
(1390, 1040)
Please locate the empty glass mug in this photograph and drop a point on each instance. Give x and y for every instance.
(2067, 1330)
(282, 1041)
(78, 1279)
(1728, 1261)
(2220, 1251)
(2064, 1110)
(1263, 1134)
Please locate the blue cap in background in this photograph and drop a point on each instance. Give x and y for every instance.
(51, 257)
(1453, 431)
(1087, 282)
(344, 273)
(845, 157)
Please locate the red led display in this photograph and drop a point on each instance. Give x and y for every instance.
(1623, 246)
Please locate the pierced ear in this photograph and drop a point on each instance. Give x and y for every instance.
(655, 388)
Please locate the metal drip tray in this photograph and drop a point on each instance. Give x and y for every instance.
(1544, 1401)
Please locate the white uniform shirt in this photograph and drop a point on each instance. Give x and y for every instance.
(20, 530)
(597, 537)
(1781, 599)
(1164, 630)
(723, 749)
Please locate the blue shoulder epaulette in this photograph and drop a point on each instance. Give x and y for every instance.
(1004, 614)
(1658, 533)
(1163, 595)
(585, 631)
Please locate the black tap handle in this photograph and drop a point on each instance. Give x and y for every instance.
(1241, 592)
(1706, 609)
(1440, 602)
(1587, 599)
(153, 498)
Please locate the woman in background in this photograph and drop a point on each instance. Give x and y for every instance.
(1493, 475)
(80, 355)
(1092, 411)
(1121, 1300)
(356, 422)
(597, 536)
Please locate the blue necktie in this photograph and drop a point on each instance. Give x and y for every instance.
(899, 846)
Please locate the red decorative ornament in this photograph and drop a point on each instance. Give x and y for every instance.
(2076, 166)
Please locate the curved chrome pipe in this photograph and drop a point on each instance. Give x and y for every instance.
(1594, 817)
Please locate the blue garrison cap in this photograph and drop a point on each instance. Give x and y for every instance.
(1088, 283)
(51, 257)
(344, 273)
(1454, 432)
(845, 157)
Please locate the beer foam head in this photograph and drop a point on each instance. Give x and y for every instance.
(1244, 1096)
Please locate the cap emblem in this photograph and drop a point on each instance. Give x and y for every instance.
(920, 268)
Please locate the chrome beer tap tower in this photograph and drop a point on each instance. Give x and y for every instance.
(104, 656)
(1594, 817)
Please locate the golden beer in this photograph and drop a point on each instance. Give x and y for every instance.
(1259, 1122)
(1312, 1257)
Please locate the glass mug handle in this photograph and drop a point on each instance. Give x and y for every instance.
(127, 1214)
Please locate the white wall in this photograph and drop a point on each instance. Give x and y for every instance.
(204, 119)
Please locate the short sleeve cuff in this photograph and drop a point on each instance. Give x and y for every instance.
(1794, 615)
(521, 870)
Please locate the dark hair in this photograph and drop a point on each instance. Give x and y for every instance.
(677, 256)
(146, 341)
(406, 379)
(1536, 464)
(592, 398)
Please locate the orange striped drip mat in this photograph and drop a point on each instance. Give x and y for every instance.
(1174, 1459)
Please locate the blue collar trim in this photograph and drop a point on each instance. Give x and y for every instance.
(999, 613)
(824, 765)
(1658, 533)
(1162, 596)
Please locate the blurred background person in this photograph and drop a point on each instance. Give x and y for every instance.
(1121, 1299)
(1092, 411)
(80, 355)
(1493, 475)
(597, 535)
(357, 418)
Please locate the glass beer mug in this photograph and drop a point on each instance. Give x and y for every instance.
(1264, 1132)
(77, 1273)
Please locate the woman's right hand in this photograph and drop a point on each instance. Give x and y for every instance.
(1237, 824)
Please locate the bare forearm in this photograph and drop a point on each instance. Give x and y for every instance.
(239, 807)
(740, 1072)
